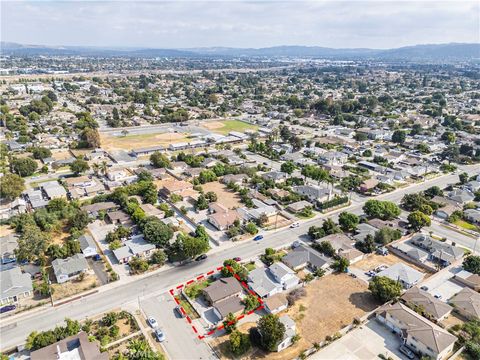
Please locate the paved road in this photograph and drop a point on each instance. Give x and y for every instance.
(13, 331)
(180, 341)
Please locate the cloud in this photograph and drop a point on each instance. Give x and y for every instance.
(182, 24)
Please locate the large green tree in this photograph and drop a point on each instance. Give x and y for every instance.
(384, 288)
(23, 166)
(385, 210)
(271, 331)
(472, 264)
(348, 221)
(156, 232)
(418, 220)
(79, 166)
(11, 187)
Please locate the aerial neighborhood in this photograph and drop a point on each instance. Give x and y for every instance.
(278, 209)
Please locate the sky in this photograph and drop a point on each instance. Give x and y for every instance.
(187, 24)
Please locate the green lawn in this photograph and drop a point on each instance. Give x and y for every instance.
(187, 307)
(466, 225)
(234, 125)
(195, 290)
(250, 266)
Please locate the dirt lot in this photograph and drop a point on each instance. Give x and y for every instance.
(225, 197)
(374, 260)
(331, 303)
(277, 221)
(224, 127)
(62, 155)
(139, 141)
(5, 230)
(70, 288)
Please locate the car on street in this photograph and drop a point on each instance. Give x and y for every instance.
(237, 259)
(201, 257)
(437, 296)
(424, 288)
(294, 225)
(152, 322)
(258, 238)
(159, 334)
(97, 257)
(409, 353)
(178, 310)
(7, 308)
(295, 244)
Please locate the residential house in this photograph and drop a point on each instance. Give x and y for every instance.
(412, 251)
(363, 230)
(151, 210)
(69, 268)
(298, 206)
(174, 186)
(438, 251)
(75, 347)
(402, 273)
(237, 179)
(222, 289)
(136, 247)
(8, 245)
(277, 177)
(14, 286)
(290, 331)
(343, 246)
(396, 224)
(270, 281)
(88, 245)
(334, 158)
(472, 215)
(276, 303)
(416, 332)
(467, 303)
(469, 279)
(94, 209)
(35, 198)
(313, 193)
(430, 305)
(119, 217)
(368, 185)
(461, 196)
(53, 190)
(303, 256)
(221, 217)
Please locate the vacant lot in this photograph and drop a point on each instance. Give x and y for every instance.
(374, 260)
(225, 197)
(224, 127)
(129, 142)
(73, 287)
(62, 155)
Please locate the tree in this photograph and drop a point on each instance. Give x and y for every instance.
(472, 264)
(386, 235)
(115, 244)
(384, 210)
(31, 244)
(251, 228)
(156, 232)
(316, 232)
(463, 177)
(348, 221)
(384, 288)
(271, 330)
(418, 219)
(78, 220)
(91, 138)
(288, 167)
(159, 160)
(158, 257)
(230, 323)
(329, 227)
(239, 343)
(325, 247)
(201, 203)
(23, 166)
(251, 302)
(138, 265)
(366, 246)
(211, 196)
(449, 137)
(11, 187)
(79, 166)
(41, 152)
(341, 264)
(399, 136)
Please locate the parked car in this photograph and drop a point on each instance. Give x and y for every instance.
(295, 244)
(159, 335)
(97, 257)
(294, 225)
(404, 350)
(178, 309)
(201, 257)
(437, 296)
(258, 238)
(152, 322)
(424, 288)
(237, 259)
(7, 308)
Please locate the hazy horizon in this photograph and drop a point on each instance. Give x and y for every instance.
(240, 24)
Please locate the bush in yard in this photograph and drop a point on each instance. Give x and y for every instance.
(384, 288)
(138, 265)
(295, 295)
(230, 323)
(341, 264)
(386, 235)
(472, 263)
(114, 331)
(109, 319)
(239, 343)
(158, 257)
(251, 302)
(115, 244)
(251, 228)
(325, 247)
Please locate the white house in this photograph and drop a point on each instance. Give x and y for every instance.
(69, 268)
(290, 331)
(88, 246)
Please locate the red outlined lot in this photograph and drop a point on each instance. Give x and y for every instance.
(173, 291)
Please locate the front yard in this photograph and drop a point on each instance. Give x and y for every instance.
(373, 260)
(73, 287)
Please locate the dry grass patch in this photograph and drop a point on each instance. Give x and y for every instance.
(73, 287)
(225, 197)
(373, 260)
(136, 141)
(62, 155)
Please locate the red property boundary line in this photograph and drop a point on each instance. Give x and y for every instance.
(172, 292)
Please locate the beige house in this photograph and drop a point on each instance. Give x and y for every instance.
(435, 308)
(416, 332)
(467, 303)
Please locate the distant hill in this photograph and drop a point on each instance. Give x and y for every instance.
(435, 53)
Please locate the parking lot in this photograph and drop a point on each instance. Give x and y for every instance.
(353, 346)
(181, 342)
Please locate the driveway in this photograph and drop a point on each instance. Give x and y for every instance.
(442, 285)
(181, 342)
(99, 270)
(353, 346)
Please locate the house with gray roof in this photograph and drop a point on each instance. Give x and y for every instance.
(88, 245)
(363, 230)
(8, 244)
(69, 268)
(467, 303)
(136, 247)
(14, 286)
(53, 190)
(402, 273)
(313, 193)
(433, 307)
(303, 256)
(270, 281)
(461, 196)
(438, 251)
(290, 331)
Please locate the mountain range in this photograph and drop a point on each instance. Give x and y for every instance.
(435, 53)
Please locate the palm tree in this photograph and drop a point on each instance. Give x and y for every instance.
(104, 167)
(95, 168)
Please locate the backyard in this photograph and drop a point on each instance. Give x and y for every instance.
(225, 197)
(373, 260)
